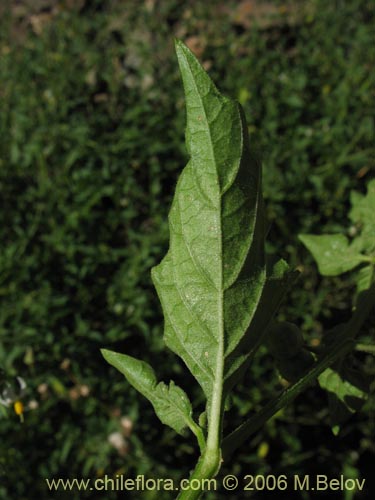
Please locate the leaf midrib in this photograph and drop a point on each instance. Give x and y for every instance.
(213, 438)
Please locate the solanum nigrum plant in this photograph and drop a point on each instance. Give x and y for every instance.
(218, 290)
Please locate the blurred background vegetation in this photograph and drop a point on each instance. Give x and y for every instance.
(91, 143)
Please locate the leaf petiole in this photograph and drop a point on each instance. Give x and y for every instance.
(198, 432)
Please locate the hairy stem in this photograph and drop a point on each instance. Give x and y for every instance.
(199, 435)
(206, 469)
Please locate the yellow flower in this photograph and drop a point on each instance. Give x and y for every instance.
(18, 408)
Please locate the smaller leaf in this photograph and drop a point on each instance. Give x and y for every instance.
(203, 420)
(364, 278)
(347, 392)
(362, 214)
(332, 253)
(363, 209)
(170, 403)
(364, 242)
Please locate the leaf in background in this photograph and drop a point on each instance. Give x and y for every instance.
(364, 278)
(347, 392)
(363, 214)
(347, 388)
(212, 279)
(171, 404)
(332, 253)
(363, 206)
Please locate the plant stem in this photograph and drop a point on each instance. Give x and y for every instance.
(210, 461)
(244, 431)
(199, 434)
(344, 345)
(205, 470)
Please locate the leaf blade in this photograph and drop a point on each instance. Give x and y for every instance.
(347, 391)
(211, 281)
(170, 403)
(332, 253)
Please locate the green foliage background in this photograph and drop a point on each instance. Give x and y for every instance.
(91, 144)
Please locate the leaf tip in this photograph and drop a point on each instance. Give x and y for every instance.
(107, 355)
(185, 56)
(177, 42)
(179, 47)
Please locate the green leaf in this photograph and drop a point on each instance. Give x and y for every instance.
(332, 253)
(347, 392)
(217, 289)
(335, 255)
(364, 278)
(362, 214)
(170, 403)
(279, 280)
(212, 279)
